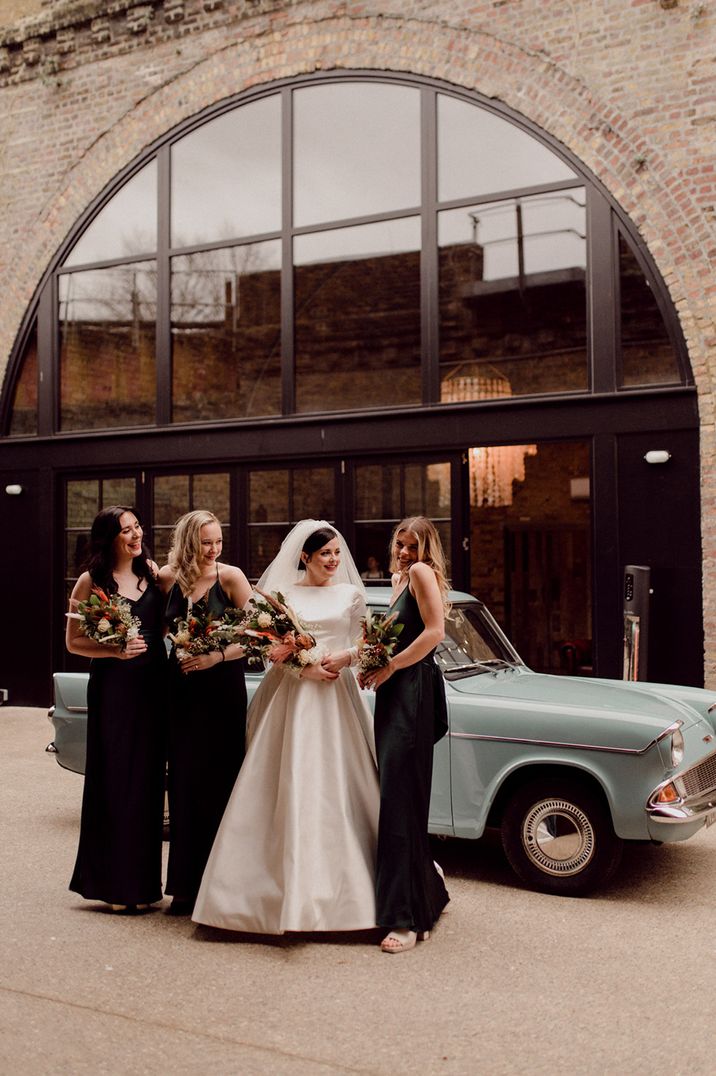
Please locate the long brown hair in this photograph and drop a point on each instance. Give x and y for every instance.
(430, 550)
(185, 549)
(99, 560)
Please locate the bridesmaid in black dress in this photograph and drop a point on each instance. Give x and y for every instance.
(410, 716)
(207, 726)
(119, 859)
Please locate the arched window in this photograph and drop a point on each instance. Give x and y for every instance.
(281, 253)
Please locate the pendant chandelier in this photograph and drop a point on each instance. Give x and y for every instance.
(493, 468)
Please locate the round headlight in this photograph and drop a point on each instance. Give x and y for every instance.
(677, 747)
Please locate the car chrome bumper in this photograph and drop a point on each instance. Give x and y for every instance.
(682, 812)
(693, 796)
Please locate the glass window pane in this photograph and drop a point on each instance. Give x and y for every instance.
(212, 492)
(372, 551)
(82, 502)
(107, 347)
(268, 497)
(530, 551)
(126, 226)
(512, 297)
(76, 551)
(226, 176)
(119, 491)
(357, 303)
(377, 492)
(161, 543)
(314, 493)
(264, 544)
(356, 150)
(480, 153)
(427, 490)
(226, 333)
(648, 356)
(23, 420)
(171, 498)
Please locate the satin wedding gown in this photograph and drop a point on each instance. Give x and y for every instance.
(296, 848)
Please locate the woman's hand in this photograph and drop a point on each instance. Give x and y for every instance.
(372, 679)
(134, 648)
(317, 672)
(201, 662)
(335, 662)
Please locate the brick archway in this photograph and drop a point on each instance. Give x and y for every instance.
(541, 91)
(609, 144)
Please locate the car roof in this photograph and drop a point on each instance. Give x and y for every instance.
(381, 596)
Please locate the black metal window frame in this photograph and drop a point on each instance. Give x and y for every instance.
(604, 221)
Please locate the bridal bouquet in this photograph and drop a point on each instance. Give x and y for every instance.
(378, 638)
(271, 631)
(200, 633)
(107, 619)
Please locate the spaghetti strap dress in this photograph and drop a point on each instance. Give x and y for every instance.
(410, 716)
(207, 733)
(119, 859)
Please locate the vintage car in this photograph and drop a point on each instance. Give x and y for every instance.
(567, 768)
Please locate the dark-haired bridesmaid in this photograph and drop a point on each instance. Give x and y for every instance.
(119, 858)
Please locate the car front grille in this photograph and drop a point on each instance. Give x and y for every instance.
(698, 779)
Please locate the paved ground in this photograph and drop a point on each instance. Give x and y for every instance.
(510, 982)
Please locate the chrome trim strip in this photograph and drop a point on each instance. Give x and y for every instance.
(555, 743)
(76, 709)
(674, 727)
(675, 814)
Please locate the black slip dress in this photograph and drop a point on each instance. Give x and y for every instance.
(410, 716)
(207, 733)
(119, 859)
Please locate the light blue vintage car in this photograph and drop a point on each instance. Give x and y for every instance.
(566, 768)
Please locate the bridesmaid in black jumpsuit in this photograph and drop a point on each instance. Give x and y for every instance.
(410, 716)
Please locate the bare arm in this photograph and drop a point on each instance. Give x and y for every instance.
(236, 585)
(238, 589)
(425, 587)
(166, 579)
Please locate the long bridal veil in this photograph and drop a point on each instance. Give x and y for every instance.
(283, 571)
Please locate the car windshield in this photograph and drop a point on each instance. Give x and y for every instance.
(473, 643)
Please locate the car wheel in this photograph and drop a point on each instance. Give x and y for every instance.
(559, 838)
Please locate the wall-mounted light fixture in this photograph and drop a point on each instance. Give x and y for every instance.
(579, 488)
(13, 490)
(657, 455)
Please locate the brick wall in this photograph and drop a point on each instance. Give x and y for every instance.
(627, 85)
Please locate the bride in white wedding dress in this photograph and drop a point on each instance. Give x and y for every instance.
(295, 850)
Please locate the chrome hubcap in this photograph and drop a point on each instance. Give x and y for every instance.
(558, 837)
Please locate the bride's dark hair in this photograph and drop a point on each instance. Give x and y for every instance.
(316, 541)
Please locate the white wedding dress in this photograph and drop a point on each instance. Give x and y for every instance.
(295, 850)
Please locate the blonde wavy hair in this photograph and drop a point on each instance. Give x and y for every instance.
(430, 551)
(185, 549)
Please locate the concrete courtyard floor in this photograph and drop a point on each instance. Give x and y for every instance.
(510, 982)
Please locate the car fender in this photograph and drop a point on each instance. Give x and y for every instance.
(484, 772)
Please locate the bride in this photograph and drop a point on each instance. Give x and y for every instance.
(295, 850)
